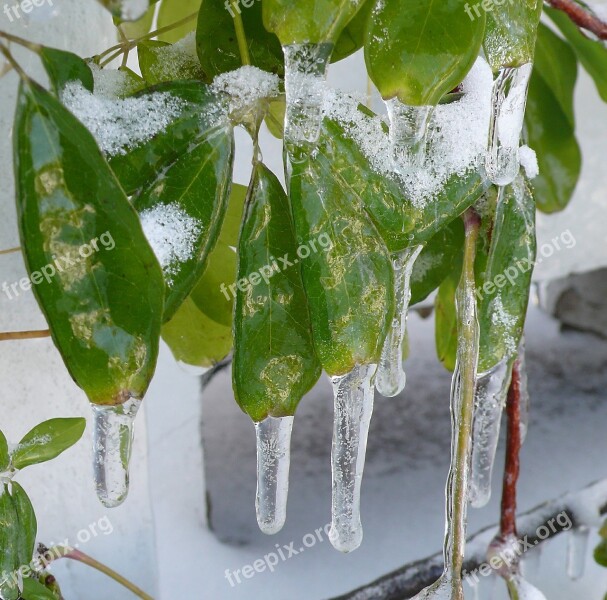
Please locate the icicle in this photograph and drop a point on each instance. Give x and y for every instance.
(408, 132)
(391, 376)
(577, 546)
(509, 99)
(524, 391)
(353, 395)
(112, 444)
(273, 459)
(305, 75)
(490, 399)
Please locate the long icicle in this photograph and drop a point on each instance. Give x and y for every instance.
(450, 585)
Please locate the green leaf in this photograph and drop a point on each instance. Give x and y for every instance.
(4, 454)
(352, 37)
(600, 553)
(198, 119)
(445, 324)
(28, 526)
(47, 441)
(349, 286)
(62, 67)
(551, 134)
(34, 590)
(591, 53)
(194, 338)
(556, 63)
(9, 542)
(275, 119)
(126, 10)
(274, 360)
(504, 286)
(419, 50)
(311, 22)
(217, 44)
(96, 278)
(172, 11)
(160, 62)
(511, 32)
(183, 209)
(439, 257)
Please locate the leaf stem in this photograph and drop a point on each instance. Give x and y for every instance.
(77, 555)
(24, 335)
(21, 41)
(11, 250)
(9, 57)
(581, 17)
(240, 34)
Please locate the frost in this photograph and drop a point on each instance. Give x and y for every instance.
(246, 86)
(457, 136)
(172, 233)
(177, 61)
(504, 321)
(120, 124)
(110, 83)
(528, 159)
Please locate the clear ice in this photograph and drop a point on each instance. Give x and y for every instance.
(523, 590)
(408, 133)
(305, 85)
(273, 460)
(112, 445)
(577, 546)
(509, 99)
(353, 396)
(391, 376)
(490, 399)
(524, 391)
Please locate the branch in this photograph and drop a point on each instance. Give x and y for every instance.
(24, 335)
(412, 578)
(581, 17)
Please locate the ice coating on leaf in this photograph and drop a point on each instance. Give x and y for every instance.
(524, 590)
(246, 86)
(490, 399)
(353, 397)
(112, 444)
(457, 136)
(119, 124)
(528, 159)
(273, 460)
(391, 378)
(305, 85)
(178, 60)
(509, 99)
(524, 399)
(577, 547)
(442, 589)
(11, 589)
(172, 233)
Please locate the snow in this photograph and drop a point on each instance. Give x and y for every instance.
(109, 83)
(172, 233)
(246, 86)
(120, 124)
(528, 159)
(177, 61)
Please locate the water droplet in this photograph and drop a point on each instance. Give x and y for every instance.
(353, 396)
(112, 445)
(273, 459)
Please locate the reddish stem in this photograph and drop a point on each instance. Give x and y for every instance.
(24, 335)
(513, 448)
(581, 17)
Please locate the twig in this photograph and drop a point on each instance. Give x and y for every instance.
(581, 17)
(11, 250)
(412, 578)
(24, 335)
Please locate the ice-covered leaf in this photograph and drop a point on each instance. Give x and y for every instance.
(34, 590)
(62, 66)
(95, 276)
(182, 212)
(352, 37)
(199, 114)
(194, 338)
(4, 455)
(28, 526)
(445, 324)
(350, 285)
(592, 54)
(275, 119)
(127, 10)
(504, 284)
(551, 134)
(10, 534)
(310, 22)
(160, 61)
(510, 33)
(274, 359)
(440, 256)
(172, 11)
(419, 50)
(47, 440)
(217, 44)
